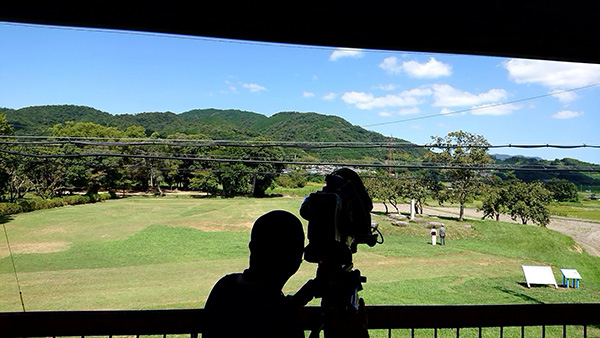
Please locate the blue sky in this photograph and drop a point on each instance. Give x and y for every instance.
(404, 94)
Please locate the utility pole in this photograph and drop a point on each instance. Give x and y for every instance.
(390, 155)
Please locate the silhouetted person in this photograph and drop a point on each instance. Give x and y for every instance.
(251, 303)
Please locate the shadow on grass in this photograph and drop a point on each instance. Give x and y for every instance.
(519, 294)
(202, 196)
(5, 219)
(450, 218)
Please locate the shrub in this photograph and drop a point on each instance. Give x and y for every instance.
(26, 205)
(9, 208)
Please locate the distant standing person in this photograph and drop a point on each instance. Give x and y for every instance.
(442, 235)
(433, 234)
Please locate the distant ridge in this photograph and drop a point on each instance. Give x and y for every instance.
(503, 157)
(217, 124)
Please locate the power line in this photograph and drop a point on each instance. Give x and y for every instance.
(214, 39)
(484, 106)
(99, 141)
(430, 165)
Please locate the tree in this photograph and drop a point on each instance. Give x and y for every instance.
(423, 187)
(562, 190)
(495, 202)
(5, 129)
(235, 180)
(381, 187)
(204, 180)
(462, 149)
(529, 202)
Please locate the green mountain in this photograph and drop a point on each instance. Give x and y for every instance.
(580, 178)
(219, 125)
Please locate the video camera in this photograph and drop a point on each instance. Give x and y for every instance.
(339, 218)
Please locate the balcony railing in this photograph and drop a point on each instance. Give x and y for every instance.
(389, 318)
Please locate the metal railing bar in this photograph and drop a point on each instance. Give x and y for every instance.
(543, 331)
(184, 321)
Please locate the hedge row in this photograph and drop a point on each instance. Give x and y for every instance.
(39, 204)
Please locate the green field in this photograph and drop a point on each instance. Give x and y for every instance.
(149, 252)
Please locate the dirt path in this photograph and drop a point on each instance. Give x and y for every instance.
(586, 233)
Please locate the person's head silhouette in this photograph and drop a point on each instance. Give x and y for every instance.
(276, 247)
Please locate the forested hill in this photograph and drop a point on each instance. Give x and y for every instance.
(216, 124)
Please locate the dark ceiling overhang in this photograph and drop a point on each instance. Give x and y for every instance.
(551, 30)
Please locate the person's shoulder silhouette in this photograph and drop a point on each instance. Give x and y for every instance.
(251, 303)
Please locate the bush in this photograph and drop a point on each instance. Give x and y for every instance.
(27, 205)
(9, 208)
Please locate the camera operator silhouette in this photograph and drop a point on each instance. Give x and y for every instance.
(252, 304)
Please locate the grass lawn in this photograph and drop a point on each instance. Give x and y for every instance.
(148, 252)
(585, 208)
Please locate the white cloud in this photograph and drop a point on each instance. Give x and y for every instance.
(567, 114)
(447, 96)
(390, 64)
(308, 94)
(329, 96)
(357, 97)
(345, 52)
(409, 111)
(427, 70)
(565, 97)
(385, 114)
(388, 87)
(405, 98)
(553, 75)
(495, 110)
(253, 87)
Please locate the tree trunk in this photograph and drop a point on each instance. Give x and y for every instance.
(461, 211)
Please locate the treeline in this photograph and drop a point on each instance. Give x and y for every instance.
(54, 169)
(522, 201)
(500, 194)
(59, 169)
